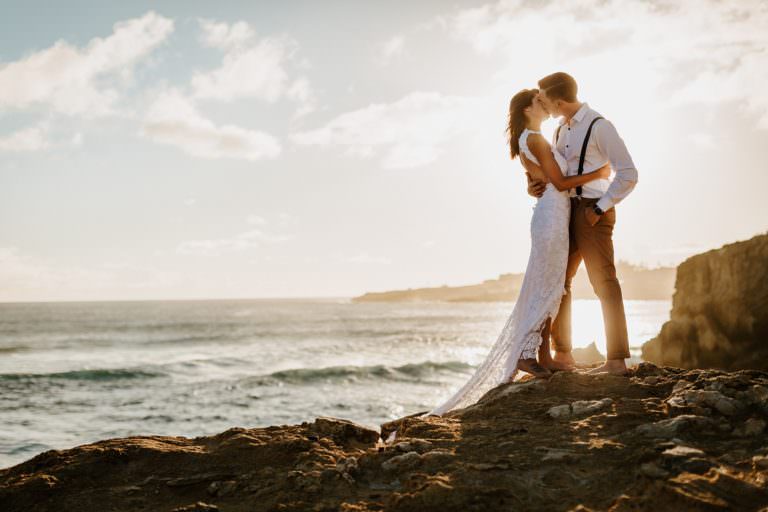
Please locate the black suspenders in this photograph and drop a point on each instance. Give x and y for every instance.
(583, 148)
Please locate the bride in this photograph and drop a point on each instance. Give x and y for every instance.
(526, 331)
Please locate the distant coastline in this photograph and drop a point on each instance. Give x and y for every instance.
(637, 283)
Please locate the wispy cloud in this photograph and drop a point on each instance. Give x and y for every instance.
(256, 219)
(33, 138)
(409, 132)
(702, 140)
(173, 119)
(39, 137)
(252, 67)
(224, 36)
(393, 46)
(26, 277)
(247, 240)
(365, 257)
(673, 52)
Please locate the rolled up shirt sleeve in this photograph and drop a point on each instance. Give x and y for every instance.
(611, 145)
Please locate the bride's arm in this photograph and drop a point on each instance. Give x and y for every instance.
(541, 150)
(532, 169)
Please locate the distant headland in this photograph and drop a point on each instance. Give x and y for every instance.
(637, 283)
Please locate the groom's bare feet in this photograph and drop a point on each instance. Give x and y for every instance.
(555, 366)
(614, 366)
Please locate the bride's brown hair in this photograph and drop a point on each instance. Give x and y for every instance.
(516, 120)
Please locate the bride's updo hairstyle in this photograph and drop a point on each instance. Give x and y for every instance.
(517, 119)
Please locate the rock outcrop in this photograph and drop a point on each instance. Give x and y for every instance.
(719, 315)
(588, 355)
(662, 439)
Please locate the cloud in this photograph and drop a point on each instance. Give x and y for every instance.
(240, 242)
(287, 218)
(25, 277)
(409, 132)
(174, 120)
(39, 137)
(660, 54)
(30, 139)
(393, 46)
(301, 92)
(17, 269)
(682, 52)
(702, 140)
(256, 219)
(251, 67)
(224, 36)
(365, 257)
(253, 72)
(81, 81)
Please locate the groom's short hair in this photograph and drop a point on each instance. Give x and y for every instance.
(559, 86)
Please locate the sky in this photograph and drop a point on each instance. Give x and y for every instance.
(185, 150)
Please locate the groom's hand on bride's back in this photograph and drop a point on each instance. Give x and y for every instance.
(535, 187)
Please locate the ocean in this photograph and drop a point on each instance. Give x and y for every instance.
(78, 372)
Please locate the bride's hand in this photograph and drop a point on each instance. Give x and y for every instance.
(604, 171)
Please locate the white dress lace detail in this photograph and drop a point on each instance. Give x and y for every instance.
(540, 295)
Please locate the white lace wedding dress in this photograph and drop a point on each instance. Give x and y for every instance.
(540, 295)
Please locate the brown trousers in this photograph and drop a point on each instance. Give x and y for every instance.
(593, 244)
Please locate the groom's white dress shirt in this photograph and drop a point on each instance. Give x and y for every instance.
(605, 145)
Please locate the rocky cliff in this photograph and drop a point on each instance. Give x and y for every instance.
(663, 439)
(719, 315)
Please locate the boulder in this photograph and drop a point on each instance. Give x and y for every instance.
(671, 427)
(344, 432)
(587, 355)
(579, 408)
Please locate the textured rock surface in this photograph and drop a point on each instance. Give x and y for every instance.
(719, 315)
(659, 440)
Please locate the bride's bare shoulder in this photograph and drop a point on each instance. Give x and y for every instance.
(537, 139)
(537, 144)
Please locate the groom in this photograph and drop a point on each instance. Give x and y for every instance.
(588, 141)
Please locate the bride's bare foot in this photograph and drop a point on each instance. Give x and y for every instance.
(545, 355)
(534, 368)
(565, 359)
